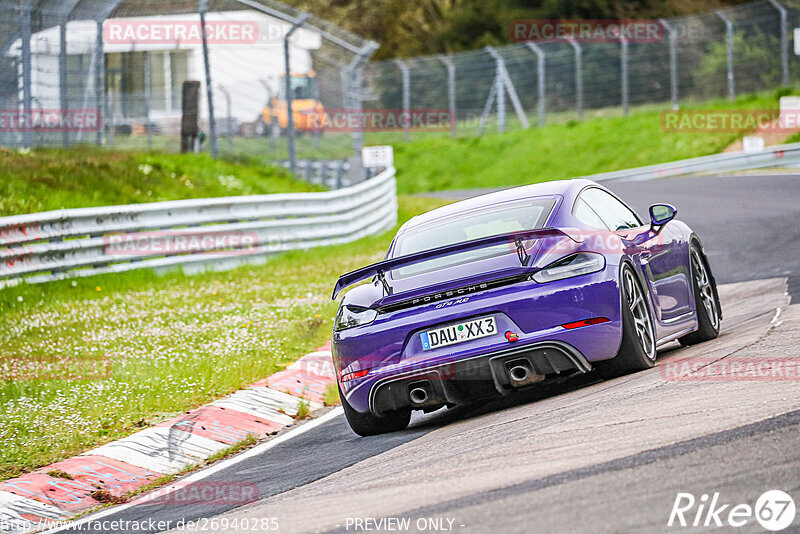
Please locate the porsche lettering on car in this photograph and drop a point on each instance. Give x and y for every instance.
(503, 291)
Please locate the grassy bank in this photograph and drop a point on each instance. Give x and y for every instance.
(559, 150)
(605, 141)
(565, 148)
(171, 342)
(48, 179)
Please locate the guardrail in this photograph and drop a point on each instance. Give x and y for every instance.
(333, 174)
(195, 234)
(81, 242)
(773, 156)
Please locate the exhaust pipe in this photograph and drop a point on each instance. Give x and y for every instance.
(519, 373)
(418, 395)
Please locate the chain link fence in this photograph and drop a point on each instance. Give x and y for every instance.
(113, 73)
(730, 52)
(230, 77)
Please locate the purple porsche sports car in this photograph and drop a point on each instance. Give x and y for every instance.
(502, 291)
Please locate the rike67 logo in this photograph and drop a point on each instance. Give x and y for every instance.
(774, 511)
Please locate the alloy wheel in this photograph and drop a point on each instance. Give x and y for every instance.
(703, 282)
(641, 315)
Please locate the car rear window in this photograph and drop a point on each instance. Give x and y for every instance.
(531, 214)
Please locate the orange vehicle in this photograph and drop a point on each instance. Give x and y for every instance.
(307, 109)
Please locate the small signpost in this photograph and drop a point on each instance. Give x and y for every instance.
(752, 143)
(797, 41)
(378, 156)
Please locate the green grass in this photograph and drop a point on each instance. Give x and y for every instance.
(794, 138)
(559, 150)
(303, 410)
(328, 146)
(331, 396)
(236, 448)
(49, 179)
(604, 141)
(173, 342)
(433, 160)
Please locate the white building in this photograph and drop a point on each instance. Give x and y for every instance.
(246, 56)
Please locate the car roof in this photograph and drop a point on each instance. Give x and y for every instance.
(566, 188)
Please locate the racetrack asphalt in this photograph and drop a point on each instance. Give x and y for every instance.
(748, 223)
(585, 455)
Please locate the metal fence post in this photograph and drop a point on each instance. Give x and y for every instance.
(339, 174)
(109, 95)
(100, 83)
(673, 63)
(62, 75)
(27, 95)
(501, 95)
(288, 87)
(271, 130)
(624, 73)
(212, 126)
(784, 43)
(228, 128)
(504, 81)
(541, 104)
(354, 94)
(729, 46)
(578, 76)
(502, 84)
(147, 98)
(346, 81)
(361, 51)
(351, 102)
(451, 92)
(406, 74)
(487, 108)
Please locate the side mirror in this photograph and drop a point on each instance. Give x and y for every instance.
(661, 214)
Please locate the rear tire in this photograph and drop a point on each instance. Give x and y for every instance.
(637, 351)
(705, 300)
(366, 424)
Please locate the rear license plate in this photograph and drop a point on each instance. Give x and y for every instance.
(458, 333)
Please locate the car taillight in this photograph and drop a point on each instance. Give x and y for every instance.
(586, 322)
(354, 374)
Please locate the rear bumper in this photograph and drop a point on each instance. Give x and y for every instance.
(465, 379)
(391, 348)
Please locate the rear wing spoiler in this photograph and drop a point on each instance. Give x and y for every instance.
(380, 269)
